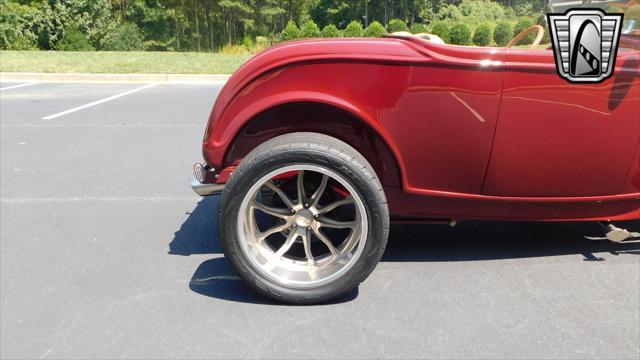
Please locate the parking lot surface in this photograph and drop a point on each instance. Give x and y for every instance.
(107, 253)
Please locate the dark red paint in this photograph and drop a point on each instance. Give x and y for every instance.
(452, 131)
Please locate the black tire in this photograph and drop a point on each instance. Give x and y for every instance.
(313, 149)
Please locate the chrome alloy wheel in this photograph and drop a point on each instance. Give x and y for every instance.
(302, 226)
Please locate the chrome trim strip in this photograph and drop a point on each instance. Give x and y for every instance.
(205, 189)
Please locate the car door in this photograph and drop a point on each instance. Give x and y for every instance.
(557, 139)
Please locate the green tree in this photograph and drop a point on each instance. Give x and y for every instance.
(375, 29)
(235, 14)
(309, 29)
(18, 26)
(418, 28)
(503, 33)
(290, 32)
(330, 31)
(92, 18)
(354, 29)
(396, 25)
(482, 35)
(460, 34)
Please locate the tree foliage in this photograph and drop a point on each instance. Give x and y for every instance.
(482, 9)
(418, 28)
(441, 29)
(73, 40)
(354, 29)
(460, 34)
(503, 33)
(396, 25)
(330, 31)
(309, 29)
(375, 29)
(522, 25)
(210, 25)
(127, 37)
(290, 32)
(482, 35)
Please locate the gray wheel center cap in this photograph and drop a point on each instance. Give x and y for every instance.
(303, 217)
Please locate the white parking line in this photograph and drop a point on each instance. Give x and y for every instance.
(18, 86)
(49, 117)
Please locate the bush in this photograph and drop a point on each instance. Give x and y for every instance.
(418, 28)
(290, 32)
(375, 29)
(248, 42)
(74, 40)
(520, 26)
(330, 31)
(126, 37)
(395, 25)
(261, 43)
(20, 42)
(354, 29)
(234, 49)
(460, 34)
(309, 29)
(503, 33)
(441, 29)
(482, 35)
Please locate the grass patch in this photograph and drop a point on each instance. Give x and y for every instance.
(116, 62)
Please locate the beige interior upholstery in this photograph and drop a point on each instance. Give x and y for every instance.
(424, 36)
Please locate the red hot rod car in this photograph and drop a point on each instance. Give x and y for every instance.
(317, 145)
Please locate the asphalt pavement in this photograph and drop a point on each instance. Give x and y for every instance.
(105, 252)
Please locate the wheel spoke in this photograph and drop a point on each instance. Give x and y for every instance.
(336, 204)
(326, 242)
(280, 193)
(272, 230)
(318, 193)
(306, 241)
(330, 223)
(302, 197)
(277, 212)
(291, 238)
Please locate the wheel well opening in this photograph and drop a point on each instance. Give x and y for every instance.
(319, 118)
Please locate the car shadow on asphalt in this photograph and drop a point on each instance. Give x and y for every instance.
(199, 233)
(468, 241)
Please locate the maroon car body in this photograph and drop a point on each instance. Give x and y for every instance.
(453, 132)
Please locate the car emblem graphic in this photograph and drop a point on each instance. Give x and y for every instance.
(585, 43)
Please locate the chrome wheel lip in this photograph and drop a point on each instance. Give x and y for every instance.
(290, 271)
